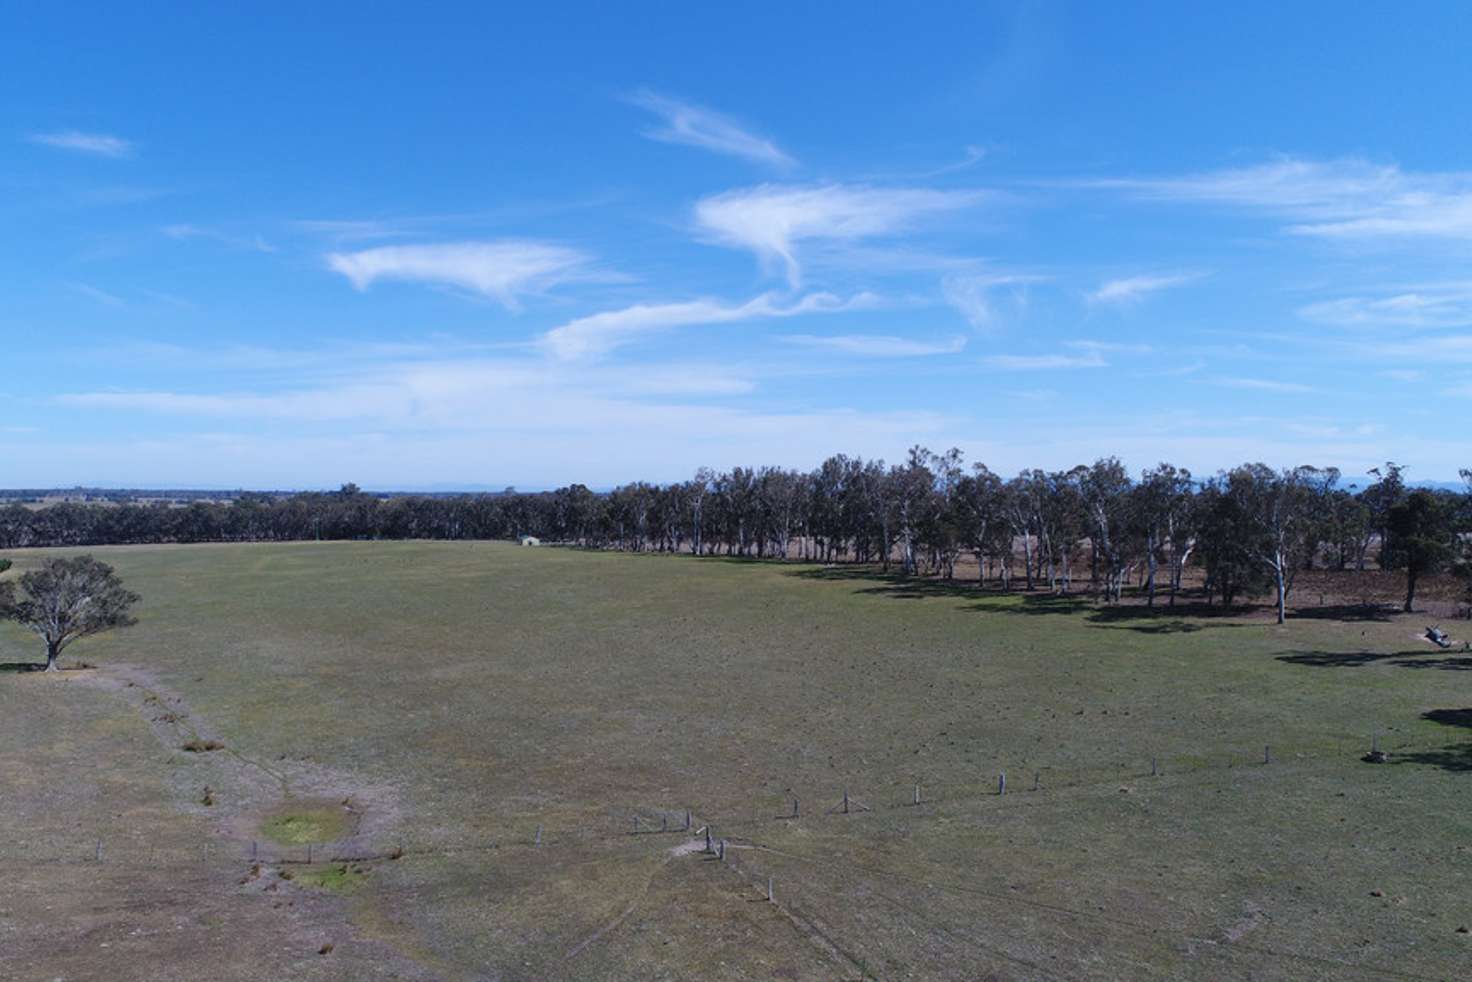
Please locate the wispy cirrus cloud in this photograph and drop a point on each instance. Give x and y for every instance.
(251, 243)
(1446, 306)
(771, 220)
(1037, 363)
(451, 416)
(985, 299)
(1426, 351)
(97, 144)
(1264, 385)
(876, 345)
(695, 126)
(602, 332)
(1133, 289)
(503, 269)
(1348, 198)
(101, 296)
(1109, 347)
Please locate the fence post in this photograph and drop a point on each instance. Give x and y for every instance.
(97, 853)
(1002, 783)
(917, 795)
(538, 842)
(845, 801)
(1154, 767)
(1267, 754)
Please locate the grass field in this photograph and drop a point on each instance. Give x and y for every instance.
(419, 710)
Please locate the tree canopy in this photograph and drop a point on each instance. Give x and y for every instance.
(70, 598)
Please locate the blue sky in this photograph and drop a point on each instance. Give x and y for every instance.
(486, 245)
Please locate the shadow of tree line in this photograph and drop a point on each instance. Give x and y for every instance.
(1135, 615)
(1166, 619)
(1454, 756)
(1359, 659)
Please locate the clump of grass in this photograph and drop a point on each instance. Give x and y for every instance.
(197, 746)
(303, 825)
(337, 877)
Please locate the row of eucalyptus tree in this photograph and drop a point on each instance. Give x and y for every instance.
(1250, 530)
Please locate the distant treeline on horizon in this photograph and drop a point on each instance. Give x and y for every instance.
(1249, 528)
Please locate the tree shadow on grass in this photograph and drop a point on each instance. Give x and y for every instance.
(1359, 659)
(897, 586)
(1453, 757)
(1163, 619)
(15, 667)
(1131, 616)
(1450, 717)
(1345, 612)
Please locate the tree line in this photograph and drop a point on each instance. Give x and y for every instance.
(1249, 530)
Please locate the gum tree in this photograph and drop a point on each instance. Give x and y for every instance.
(1423, 538)
(71, 598)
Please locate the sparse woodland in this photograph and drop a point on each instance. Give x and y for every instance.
(1244, 532)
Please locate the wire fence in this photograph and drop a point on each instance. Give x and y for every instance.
(1029, 785)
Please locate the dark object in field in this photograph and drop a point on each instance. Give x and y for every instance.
(197, 746)
(1376, 757)
(1438, 637)
(325, 949)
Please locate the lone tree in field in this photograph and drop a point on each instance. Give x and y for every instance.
(68, 599)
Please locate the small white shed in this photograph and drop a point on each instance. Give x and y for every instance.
(530, 540)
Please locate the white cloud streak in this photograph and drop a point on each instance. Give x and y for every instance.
(1036, 363)
(771, 220)
(1133, 289)
(1446, 307)
(97, 144)
(985, 299)
(600, 333)
(695, 126)
(185, 231)
(1264, 385)
(101, 296)
(877, 345)
(448, 419)
(503, 269)
(1348, 199)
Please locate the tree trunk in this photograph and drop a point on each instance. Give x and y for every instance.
(1410, 589)
(1151, 563)
(1282, 595)
(53, 652)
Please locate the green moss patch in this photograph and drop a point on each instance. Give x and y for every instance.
(303, 824)
(337, 877)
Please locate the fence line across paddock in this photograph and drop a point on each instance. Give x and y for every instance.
(1031, 786)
